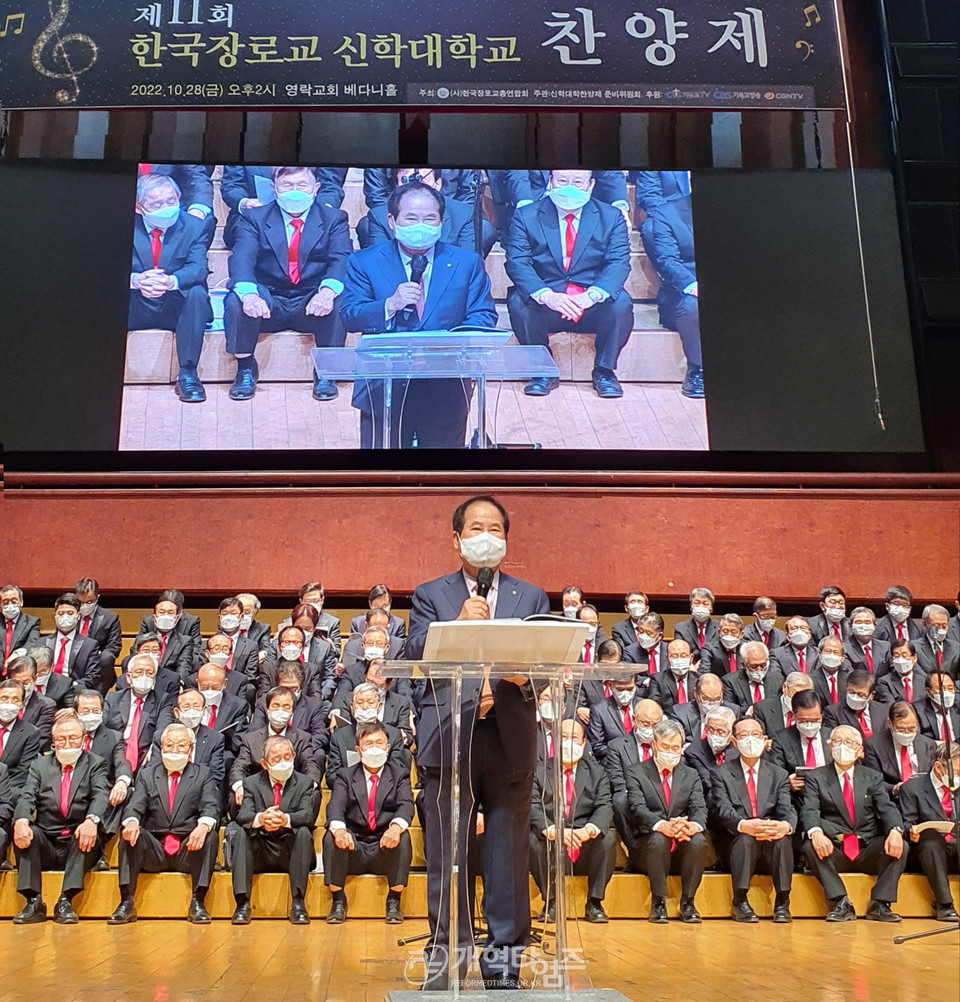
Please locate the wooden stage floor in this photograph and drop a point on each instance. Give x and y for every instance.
(272, 961)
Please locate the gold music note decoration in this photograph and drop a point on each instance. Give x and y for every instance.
(18, 18)
(50, 55)
(807, 11)
(804, 44)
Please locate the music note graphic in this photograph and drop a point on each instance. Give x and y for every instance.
(61, 66)
(816, 15)
(6, 24)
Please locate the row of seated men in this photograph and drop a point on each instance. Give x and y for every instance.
(292, 266)
(202, 710)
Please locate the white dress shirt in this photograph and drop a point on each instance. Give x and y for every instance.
(57, 639)
(368, 775)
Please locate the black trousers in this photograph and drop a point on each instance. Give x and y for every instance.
(283, 851)
(872, 859)
(596, 862)
(185, 313)
(434, 411)
(147, 856)
(52, 851)
(504, 796)
(624, 824)
(681, 312)
(366, 856)
(937, 858)
(687, 858)
(287, 313)
(610, 321)
(747, 856)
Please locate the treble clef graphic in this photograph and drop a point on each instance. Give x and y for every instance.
(61, 66)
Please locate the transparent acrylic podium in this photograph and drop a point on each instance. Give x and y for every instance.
(466, 354)
(554, 674)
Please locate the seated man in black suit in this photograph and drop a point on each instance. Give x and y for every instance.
(799, 652)
(897, 624)
(667, 807)
(169, 825)
(935, 648)
(859, 708)
(863, 649)
(374, 644)
(589, 846)
(899, 751)
(169, 617)
(108, 744)
(708, 755)
(700, 629)
(379, 598)
(751, 800)
(309, 713)
(19, 746)
(366, 704)
(368, 815)
(74, 655)
(134, 712)
(208, 745)
(755, 680)
(649, 650)
(239, 661)
(829, 675)
(832, 618)
(37, 709)
(613, 717)
(675, 688)
(803, 746)
(19, 629)
(720, 654)
(100, 625)
(927, 797)
(627, 631)
(394, 707)
(57, 822)
(292, 648)
(938, 713)
(907, 681)
(224, 712)
(852, 825)
(286, 271)
(49, 683)
(568, 259)
(776, 712)
(764, 625)
(250, 627)
(667, 235)
(275, 830)
(168, 276)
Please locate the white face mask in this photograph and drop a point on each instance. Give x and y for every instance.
(751, 746)
(799, 638)
(863, 630)
(219, 659)
(844, 756)
(279, 718)
(212, 697)
(856, 703)
(68, 756)
(568, 198)
(372, 653)
(291, 652)
(636, 609)
(296, 203)
(366, 715)
(483, 550)
(230, 622)
(756, 675)
(944, 699)
(318, 606)
(706, 705)
(174, 761)
(67, 622)
(546, 712)
(591, 632)
(624, 696)
(374, 758)
(809, 729)
(191, 718)
(162, 219)
(571, 611)
(11, 611)
(86, 608)
(903, 740)
(938, 634)
(90, 722)
(729, 642)
(645, 734)
(647, 642)
(717, 742)
(246, 622)
(679, 666)
(700, 613)
(570, 752)
(834, 615)
(899, 613)
(165, 623)
(281, 771)
(8, 713)
(766, 624)
(142, 684)
(667, 760)
(831, 660)
(902, 666)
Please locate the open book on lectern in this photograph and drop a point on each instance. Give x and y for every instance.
(539, 640)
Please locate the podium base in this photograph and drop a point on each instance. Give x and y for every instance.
(535, 995)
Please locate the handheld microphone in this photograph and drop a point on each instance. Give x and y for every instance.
(484, 581)
(418, 265)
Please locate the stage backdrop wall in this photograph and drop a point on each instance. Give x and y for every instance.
(787, 541)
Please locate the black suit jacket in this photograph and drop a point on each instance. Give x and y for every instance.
(39, 711)
(738, 689)
(606, 724)
(187, 624)
(821, 683)
(887, 629)
(785, 658)
(699, 755)
(259, 633)
(625, 633)
(8, 797)
(233, 718)
(396, 627)
(342, 751)
(688, 629)
(207, 751)
(318, 678)
(348, 801)
(881, 755)
(440, 600)
(770, 713)
(621, 755)
(716, 658)
(183, 253)
(890, 688)
(824, 807)
(919, 802)
(820, 626)
(646, 800)
(592, 799)
(197, 797)
(296, 800)
(59, 690)
(664, 689)
(775, 638)
(731, 802)
(309, 714)
(26, 632)
(855, 654)
(83, 664)
(927, 658)
(251, 751)
(105, 743)
(21, 747)
(116, 713)
(788, 751)
(931, 722)
(635, 654)
(833, 716)
(40, 797)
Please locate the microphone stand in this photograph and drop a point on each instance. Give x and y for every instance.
(955, 795)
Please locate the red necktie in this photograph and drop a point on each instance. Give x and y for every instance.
(833, 688)
(757, 692)
(171, 844)
(851, 844)
(146, 168)
(3, 738)
(372, 803)
(802, 661)
(946, 730)
(627, 722)
(811, 759)
(65, 789)
(869, 655)
(549, 744)
(939, 660)
(732, 661)
(900, 635)
(906, 769)
(572, 853)
(652, 663)
(277, 791)
(85, 626)
(908, 689)
(211, 723)
(156, 245)
(132, 751)
(836, 631)
(163, 644)
(946, 802)
(606, 690)
(87, 742)
(789, 718)
(570, 239)
(647, 754)
(682, 691)
(865, 729)
(752, 793)
(293, 252)
(701, 635)
(58, 666)
(766, 639)
(720, 757)
(587, 652)
(8, 640)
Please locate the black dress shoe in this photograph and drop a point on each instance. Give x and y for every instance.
(693, 383)
(338, 913)
(541, 386)
(241, 914)
(197, 914)
(189, 388)
(594, 913)
(324, 389)
(880, 911)
(689, 913)
(947, 913)
(743, 913)
(34, 911)
(393, 915)
(781, 914)
(63, 912)
(842, 911)
(126, 912)
(607, 385)
(298, 913)
(245, 384)
(658, 911)
(547, 915)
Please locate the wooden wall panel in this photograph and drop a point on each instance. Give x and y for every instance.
(787, 543)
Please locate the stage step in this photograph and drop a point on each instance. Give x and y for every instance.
(166, 895)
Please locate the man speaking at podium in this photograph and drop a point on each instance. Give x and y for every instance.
(498, 747)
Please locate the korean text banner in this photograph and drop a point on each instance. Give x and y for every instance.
(719, 54)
